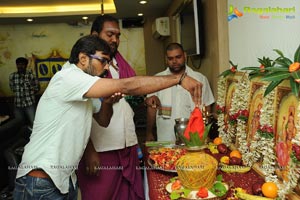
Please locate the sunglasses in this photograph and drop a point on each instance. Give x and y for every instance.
(104, 61)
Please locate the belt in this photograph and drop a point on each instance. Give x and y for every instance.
(38, 173)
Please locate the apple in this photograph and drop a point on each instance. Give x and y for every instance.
(222, 148)
(256, 188)
(235, 161)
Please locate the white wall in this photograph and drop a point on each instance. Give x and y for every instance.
(261, 29)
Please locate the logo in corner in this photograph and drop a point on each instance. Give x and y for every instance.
(233, 13)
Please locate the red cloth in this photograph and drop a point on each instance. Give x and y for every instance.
(125, 70)
(195, 124)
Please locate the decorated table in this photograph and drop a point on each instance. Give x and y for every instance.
(158, 179)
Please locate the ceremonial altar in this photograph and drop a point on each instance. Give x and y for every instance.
(258, 113)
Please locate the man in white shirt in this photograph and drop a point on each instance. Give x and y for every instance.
(110, 159)
(166, 105)
(64, 114)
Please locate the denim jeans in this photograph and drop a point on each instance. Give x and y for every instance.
(26, 113)
(32, 188)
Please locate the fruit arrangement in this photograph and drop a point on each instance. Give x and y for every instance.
(233, 162)
(165, 158)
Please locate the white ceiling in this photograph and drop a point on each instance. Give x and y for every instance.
(125, 9)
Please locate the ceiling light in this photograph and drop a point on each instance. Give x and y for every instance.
(143, 2)
(85, 18)
(55, 10)
(140, 14)
(29, 20)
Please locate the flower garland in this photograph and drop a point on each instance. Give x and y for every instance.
(257, 147)
(240, 107)
(262, 148)
(221, 110)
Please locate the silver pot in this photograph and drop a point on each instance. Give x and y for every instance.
(179, 128)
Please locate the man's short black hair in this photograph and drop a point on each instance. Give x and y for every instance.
(99, 21)
(88, 45)
(174, 45)
(22, 60)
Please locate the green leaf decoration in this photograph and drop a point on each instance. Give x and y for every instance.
(175, 195)
(254, 75)
(206, 131)
(296, 74)
(271, 86)
(186, 192)
(276, 76)
(251, 68)
(265, 61)
(195, 139)
(233, 65)
(297, 55)
(283, 61)
(279, 52)
(219, 178)
(278, 69)
(226, 73)
(294, 84)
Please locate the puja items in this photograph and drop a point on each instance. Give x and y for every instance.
(179, 128)
(196, 169)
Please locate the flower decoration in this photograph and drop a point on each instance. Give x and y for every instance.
(231, 71)
(243, 115)
(265, 64)
(221, 116)
(266, 131)
(220, 109)
(284, 69)
(295, 155)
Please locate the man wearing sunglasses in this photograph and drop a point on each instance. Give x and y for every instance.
(114, 147)
(64, 114)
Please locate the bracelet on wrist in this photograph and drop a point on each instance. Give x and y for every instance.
(181, 78)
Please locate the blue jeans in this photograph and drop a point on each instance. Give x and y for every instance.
(26, 113)
(32, 188)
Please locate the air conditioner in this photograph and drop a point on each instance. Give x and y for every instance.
(161, 27)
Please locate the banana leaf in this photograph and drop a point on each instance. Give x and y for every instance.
(297, 55)
(295, 85)
(276, 76)
(271, 86)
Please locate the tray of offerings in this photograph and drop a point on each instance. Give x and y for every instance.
(165, 157)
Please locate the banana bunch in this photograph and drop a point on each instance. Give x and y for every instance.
(234, 168)
(212, 148)
(241, 194)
